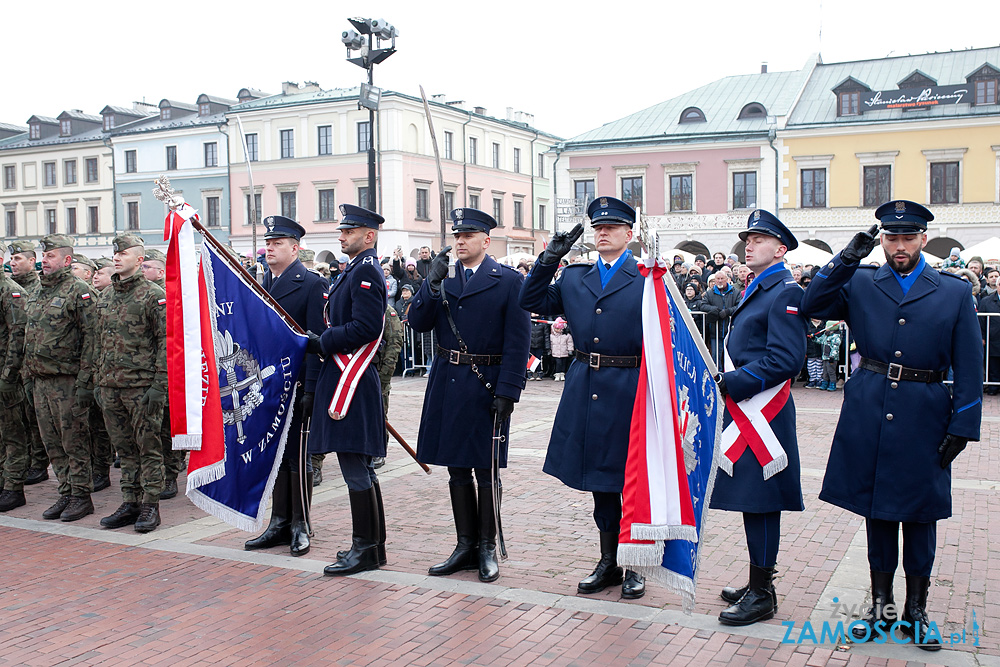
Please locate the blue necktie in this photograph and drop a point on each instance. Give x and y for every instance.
(468, 275)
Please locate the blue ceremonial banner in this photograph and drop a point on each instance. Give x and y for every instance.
(258, 359)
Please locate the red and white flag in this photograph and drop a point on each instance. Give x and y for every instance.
(533, 363)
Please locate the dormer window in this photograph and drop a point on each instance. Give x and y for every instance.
(35, 131)
(109, 122)
(849, 103)
(65, 128)
(752, 110)
(165, 113)
(986, 91)
(204, 109)
(693, 115)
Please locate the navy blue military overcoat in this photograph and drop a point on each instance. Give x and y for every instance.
(589, 441)
(456, 428)
(767, 344)
(884, 462)
(355, 311)
(302, 294)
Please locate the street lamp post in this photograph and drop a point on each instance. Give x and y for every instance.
(366, 35)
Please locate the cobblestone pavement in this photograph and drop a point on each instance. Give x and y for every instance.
(188, 594)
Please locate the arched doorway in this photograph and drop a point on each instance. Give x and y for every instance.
(738, 249)
(325, 256)
(695, 248)
(941, 246)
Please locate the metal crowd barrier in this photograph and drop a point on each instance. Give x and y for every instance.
(418, 351)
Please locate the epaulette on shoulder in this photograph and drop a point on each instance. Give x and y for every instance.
(792, 282)
(951, 275)
(582, 265)
(871, 267)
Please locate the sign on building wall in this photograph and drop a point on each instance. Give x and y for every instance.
(913, 98)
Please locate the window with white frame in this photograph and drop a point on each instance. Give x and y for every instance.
(944, 175)
(813, 180)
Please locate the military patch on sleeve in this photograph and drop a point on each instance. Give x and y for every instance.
(162, 302)
(85, 295)
(792, 310)
(16, 295)
(368, 260)
(365, 284)
(57, 302)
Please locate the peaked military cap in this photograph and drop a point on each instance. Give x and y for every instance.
(762, 222)
(903, 217)
(306, 255)
(83, 259)
(156, 255)
(126, 241)
(53, 241)
(355, 216)
(103, 263)
(610, 211)
(17, 247)
(279, 227)
(471, 220)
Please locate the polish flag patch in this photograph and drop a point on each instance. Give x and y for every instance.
(792, 310)
(16, 295)
(162, 302)
(85, 296)
(365, 284)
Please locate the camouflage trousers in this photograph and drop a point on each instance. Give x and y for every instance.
(37, 458)
(101, 454)
(136, 437)
(63, 427)
(386, 386)
(174, 461)
(13, 446)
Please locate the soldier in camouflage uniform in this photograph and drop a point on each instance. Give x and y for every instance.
(22, 265)
(154, 267)
(100, 445)
(102, 276)
(13, 434)
(131, 379)
(385, 362)
(58, 354)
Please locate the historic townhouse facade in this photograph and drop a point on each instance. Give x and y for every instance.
(58, 178)
(189, 144)
(308, 154)
(924, 128)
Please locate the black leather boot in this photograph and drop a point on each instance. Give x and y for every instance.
(915, 613)
(57, 509)
(101, 480)
(35, 476)
(489, 569)
(126, 515)
(381, 524)
(278, 531)
(465, 555)
(733, 595)
(299, 531)
(634, 586)
(78, 507)
(149, 517)
(881, 596)
(607, 573)
(757, 604)
(11, 499)
(363, 554)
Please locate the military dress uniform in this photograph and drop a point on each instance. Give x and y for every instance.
(13, 433)
(354, 311)
(766, 345)
(58, 355)
(302, 294)
(38, 460)
(886, 460)
(131, 379)
(459, 411)
(588, 446)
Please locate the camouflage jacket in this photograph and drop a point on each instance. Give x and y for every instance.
(131, 334)
(29, 281)
(58, 337)
(392, 335)
(12, 298)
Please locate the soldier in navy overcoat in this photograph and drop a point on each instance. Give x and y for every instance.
(354, 312)
(900, 426)
(302, 295)
(589, 442)
(766, 346)
(474, 387)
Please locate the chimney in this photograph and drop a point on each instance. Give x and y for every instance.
(289, 87)
(510, 113)
(438, 98)
(763, 68)
(479, 110)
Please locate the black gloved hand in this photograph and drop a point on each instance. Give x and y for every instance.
(951, 447)
(312, 345)
(10, 393)
(154, 399)
(308, 399)
(502, 408)
(720, 380)
(84, 398)
(438, 270)
(560, 244)
(860, 246)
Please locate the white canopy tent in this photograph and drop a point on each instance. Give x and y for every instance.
(807, 254)
(877, 256)
(989, 250)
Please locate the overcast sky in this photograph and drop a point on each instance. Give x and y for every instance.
(575, 65)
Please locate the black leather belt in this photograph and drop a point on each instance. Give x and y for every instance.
(898, 372)
(597, 360)
(456, 357)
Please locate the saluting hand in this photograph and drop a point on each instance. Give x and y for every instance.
(560, 244)
(860, 246)
(438, 269)
(951, 447)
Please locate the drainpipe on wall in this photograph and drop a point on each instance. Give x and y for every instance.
(772, 134)
(555, 187)
(465, 161)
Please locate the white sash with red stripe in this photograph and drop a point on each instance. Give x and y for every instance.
(751, 427)
(352, 366)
